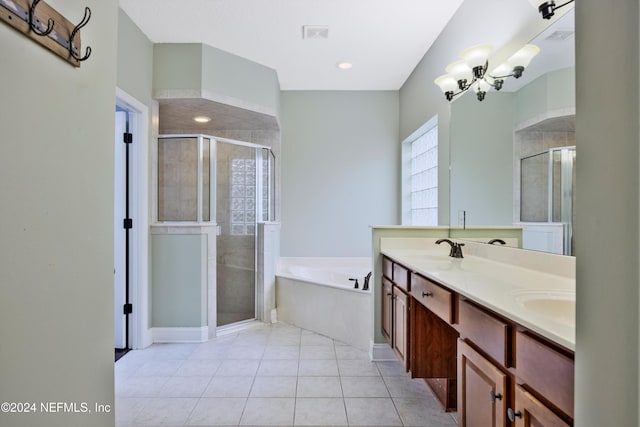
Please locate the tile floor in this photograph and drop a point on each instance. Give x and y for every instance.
(269, 375)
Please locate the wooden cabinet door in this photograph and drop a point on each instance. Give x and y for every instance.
(400, 325)
(482, 390)
(530, 412)
(387, 309)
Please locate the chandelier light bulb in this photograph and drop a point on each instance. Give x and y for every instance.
(476, 57)
(523, 57)
(460, 71)
(447, 83)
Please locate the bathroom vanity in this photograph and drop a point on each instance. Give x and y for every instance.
(493, 333)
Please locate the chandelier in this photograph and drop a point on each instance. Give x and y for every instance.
(470, 72)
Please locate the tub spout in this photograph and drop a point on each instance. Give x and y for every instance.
(365, 287)
(356, 286)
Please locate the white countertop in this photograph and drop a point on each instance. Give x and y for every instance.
(539, 301)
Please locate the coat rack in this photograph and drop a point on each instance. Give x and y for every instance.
(44, 25)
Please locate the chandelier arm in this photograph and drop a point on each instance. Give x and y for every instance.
(501, 77)
(563, 4)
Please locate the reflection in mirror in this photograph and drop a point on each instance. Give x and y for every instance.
(512, 156)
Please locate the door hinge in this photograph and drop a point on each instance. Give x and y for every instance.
(127, 223)
(127, 138)
(128, 309)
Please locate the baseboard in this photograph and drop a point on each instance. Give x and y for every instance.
(180, 335)
(381, 353)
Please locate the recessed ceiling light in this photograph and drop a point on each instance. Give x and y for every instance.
(345, 65)
(202, 119)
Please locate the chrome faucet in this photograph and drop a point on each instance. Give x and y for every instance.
(456, 248)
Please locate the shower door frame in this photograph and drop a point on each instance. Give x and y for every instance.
(259, 151)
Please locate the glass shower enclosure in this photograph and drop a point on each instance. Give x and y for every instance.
(206, 179)
(547, 190)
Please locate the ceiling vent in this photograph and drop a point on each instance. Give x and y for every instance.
(315, 32)
(560, 35)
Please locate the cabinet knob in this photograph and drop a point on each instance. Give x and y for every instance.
(389, 294)
(427, 294)
(495, 396)
(513, 414)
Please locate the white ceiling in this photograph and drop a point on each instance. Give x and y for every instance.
(384, 39)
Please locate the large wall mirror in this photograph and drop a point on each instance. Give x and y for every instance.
(512, 156)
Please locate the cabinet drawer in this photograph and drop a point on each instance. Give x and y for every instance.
(546, 370)
(434, 297)
(387, 268)
(488, 332)
(401, 277)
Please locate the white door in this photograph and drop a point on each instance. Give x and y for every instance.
(119, 253)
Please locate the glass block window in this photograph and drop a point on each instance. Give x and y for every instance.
(424, 179)
(243, 197)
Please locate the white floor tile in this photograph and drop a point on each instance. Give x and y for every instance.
(159, 368)
(391, 369)
(278, 368)
(371, 412)
(229, 387)
(364, 387)
(358, 368)
(320, 368)
(281, 352)
(320, 412)
(140, 386)
(234, 368)
(319, 387)
(274, 387)
(310, 338)
(406, 387)
(217, 411)
(317, 352)
(196, 368)
(267, 411)
(184, 387)
(159, 411)
(422, 412)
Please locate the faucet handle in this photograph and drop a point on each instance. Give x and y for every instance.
(356, 286)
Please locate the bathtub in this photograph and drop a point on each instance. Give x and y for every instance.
(316, 294)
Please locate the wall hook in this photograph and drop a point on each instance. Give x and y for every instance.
(85, 21)
(35, 27)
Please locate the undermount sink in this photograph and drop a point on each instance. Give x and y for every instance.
(557, 305)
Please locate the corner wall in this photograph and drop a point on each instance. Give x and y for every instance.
(56, 251)
(340, 170)
(607, 218)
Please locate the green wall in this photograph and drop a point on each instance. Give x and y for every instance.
(551, 92)
(179, 280)
(194, 70)
(340, 170)
(482, 159)
(56, 251)
(135, 60)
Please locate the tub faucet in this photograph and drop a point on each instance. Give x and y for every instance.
(456, 248)
(492, 241)
(365, 287)
(356, 286)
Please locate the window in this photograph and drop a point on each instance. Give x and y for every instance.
(421, 178)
